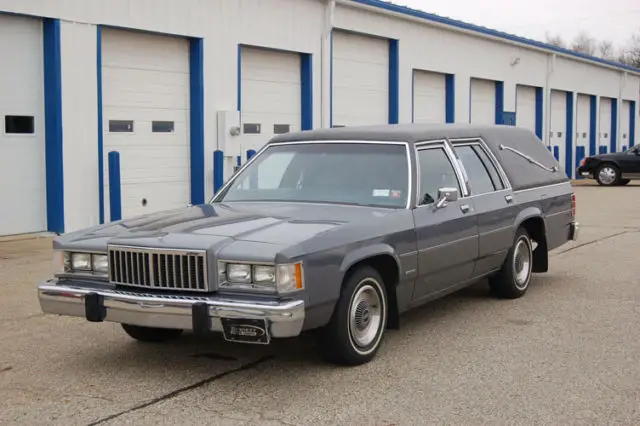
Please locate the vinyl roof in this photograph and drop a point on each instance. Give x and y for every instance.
(391, 7)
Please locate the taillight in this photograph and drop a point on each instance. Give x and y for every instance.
(573, 205)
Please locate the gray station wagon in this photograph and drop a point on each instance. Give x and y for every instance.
(333, 231)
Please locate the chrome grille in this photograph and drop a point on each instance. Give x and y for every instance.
(184, 270)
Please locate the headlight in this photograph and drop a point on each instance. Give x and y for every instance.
(100, 263)
(68, 262)
(81, 261)
(267, 278)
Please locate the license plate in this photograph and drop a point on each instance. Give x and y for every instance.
(245, 330)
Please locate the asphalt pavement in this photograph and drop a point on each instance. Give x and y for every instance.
(566, 353)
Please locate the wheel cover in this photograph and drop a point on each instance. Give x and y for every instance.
(607, 175)
(522, 263)
(366, 315)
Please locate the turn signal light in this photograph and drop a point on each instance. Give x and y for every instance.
(583, 161)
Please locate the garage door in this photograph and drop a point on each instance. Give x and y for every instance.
(360, 79)
(558, 124)
(604, 132)
(583, 120)
(483, 101)
(270, 94)
(625, 129)
(429, 97)
(22, 159)
(526, 107)
(145, 94)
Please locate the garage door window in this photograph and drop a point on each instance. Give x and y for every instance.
(162, 126)
(120, 126)
(19, 124)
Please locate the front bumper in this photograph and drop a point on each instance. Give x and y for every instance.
(584, 172)
(201, 314)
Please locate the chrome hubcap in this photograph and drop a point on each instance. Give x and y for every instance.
(607, 175)
(522, 263)
(365, 315)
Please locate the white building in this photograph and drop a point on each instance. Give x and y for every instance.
(165, 82)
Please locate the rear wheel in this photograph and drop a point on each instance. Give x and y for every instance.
(151, 334)
(357, 326)
(607, 175)
(512, 281)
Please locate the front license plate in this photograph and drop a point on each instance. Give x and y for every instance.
(245, 330)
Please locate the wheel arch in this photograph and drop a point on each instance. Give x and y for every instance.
(534, 223)
(383, 259)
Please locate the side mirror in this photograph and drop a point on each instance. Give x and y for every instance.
(446, 195)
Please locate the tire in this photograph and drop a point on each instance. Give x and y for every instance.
(624, 182)
(513, 279)
(354, 333)
(607, 175)
(151, 334)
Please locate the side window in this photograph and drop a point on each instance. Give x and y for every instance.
(480, 179)
(493, 172)
(436, 172)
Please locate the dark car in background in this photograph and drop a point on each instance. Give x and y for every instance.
(613, 169)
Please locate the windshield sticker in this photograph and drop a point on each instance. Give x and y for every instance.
(380, 192)
(396, 193)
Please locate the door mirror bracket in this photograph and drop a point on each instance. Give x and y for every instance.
(445, 195)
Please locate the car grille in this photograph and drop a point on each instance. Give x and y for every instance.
(184, 270)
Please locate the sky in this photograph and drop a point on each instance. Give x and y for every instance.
(613, 20)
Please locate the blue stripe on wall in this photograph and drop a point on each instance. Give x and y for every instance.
(568, 152)
(100, 125)
(53, 125)
(196, 125)
(450, 98)
(593, 124)
(539, 112)
(499, 104)
(394, 81)
(614, 125)
(632, 123)
(306, 80)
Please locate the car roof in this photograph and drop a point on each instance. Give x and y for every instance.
(409, 132)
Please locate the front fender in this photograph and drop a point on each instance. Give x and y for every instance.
(362, 253)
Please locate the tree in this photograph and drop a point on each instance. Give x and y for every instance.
(630, 54)
(606, 50)
(554, 40)
(584, 43)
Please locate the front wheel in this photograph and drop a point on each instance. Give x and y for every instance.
(151, 334)
(512, 281)
(607, 175)
(357, 325)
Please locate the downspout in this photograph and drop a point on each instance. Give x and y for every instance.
(326, 64)
(623, 83)
(551, 64)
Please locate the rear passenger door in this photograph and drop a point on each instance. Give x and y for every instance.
(493, 201)
(447, 236)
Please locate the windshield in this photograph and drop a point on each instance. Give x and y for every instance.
(345, 173)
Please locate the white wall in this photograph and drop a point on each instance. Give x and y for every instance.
(294, 25)
(80, 124)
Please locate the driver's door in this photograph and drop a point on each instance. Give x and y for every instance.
(447, 235)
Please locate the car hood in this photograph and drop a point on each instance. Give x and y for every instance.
(212, 226)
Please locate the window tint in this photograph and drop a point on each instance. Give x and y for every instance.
(493, 172)
(480, 181)
(436, 172)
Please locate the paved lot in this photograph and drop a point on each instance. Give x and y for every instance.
(567, 353)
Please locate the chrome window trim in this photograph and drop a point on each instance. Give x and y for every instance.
(224, 187)
(483, 145)
(436, 144)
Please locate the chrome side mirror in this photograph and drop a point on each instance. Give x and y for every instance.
(446, 195)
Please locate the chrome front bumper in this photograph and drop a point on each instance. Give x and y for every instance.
(283, 319)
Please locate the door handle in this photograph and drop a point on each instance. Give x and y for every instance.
(508, 198)
(464, 208)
